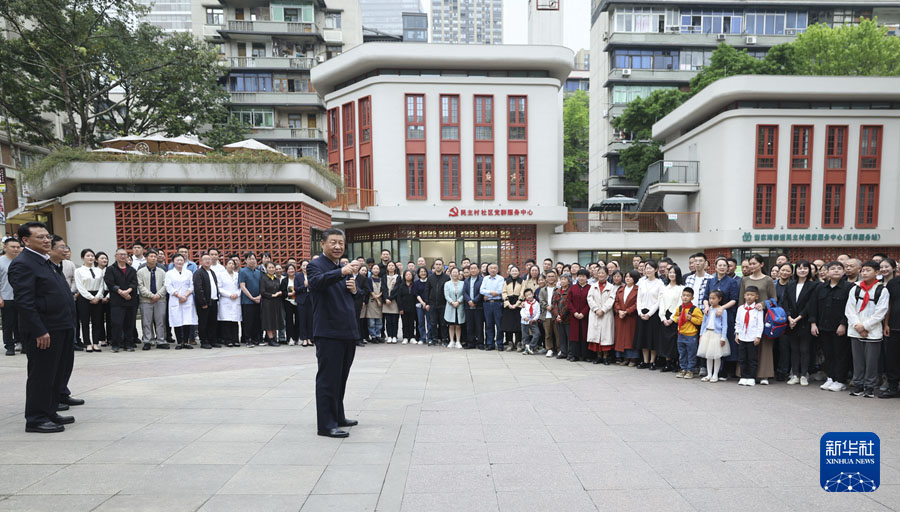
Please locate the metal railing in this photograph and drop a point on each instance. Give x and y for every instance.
(669, 171)
(272, 62)
(633, 222)
(269, 26)
(285, 132)
(351, 198)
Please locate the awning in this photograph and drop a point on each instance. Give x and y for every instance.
(30, 211)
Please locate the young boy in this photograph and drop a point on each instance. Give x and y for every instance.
(748, 328)
(689, 320)
(531, 314)
(865, 311)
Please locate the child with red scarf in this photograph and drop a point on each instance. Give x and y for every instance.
(690, 318)
(531, 316)
(866, 308)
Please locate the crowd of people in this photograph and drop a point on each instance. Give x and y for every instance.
(702, 322)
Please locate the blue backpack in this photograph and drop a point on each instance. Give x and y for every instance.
(776, 320)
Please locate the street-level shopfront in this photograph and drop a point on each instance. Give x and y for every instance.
(502, 243)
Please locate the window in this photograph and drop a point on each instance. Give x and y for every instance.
(869, 176)
(644, 19)
(800, 177)
(694, 59)
(215, 17)
(624, 94)
(849, 16)
(775, 22)
(449, 117)
(835, 176)
(517, 120)
(256, 118)
(484, 177)
(366, 194)
(291, 83)
(450, 177)
(415, 117)
(333, 130)
(251, 82)
(766, 176)
(292, 14)
(518, 177)
(699, 21)
(349, 124)
(333, 20)
(295, 121)
(484, 117)
(645, 59)
(349, 174)
(415, 176)
(258, 50)
(365, 119)
(832, 215)
(799, 208)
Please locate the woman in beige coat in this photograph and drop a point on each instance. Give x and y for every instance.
(601, 322)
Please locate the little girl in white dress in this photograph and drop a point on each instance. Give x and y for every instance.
(714, 337)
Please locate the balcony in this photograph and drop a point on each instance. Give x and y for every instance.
(667, 177)
(269, 62)
(286, 133)
(268, 27)
(668, 39)
(654, 76)
(275, 98)
(633, 222)
(333, 35)
(615, 184)
(353, 199)
(211, 30)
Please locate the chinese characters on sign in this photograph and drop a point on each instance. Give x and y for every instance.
(810, 237)
(850, 462)
(849, 448)
(489, 212)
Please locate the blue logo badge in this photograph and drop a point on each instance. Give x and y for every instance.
(850, 462)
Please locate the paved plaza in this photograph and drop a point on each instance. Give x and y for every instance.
(440, 429)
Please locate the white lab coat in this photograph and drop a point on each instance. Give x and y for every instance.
(181, 313)
(229, 309)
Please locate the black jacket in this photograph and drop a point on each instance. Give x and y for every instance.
(434, 289)
(799, 306)
(893, 287)
(43, 298)
(301, 287)
(405, 297)
(332, 302)
(203, 288)
(116, 280)
(827, 310)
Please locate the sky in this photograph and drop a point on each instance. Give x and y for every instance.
(577, 29)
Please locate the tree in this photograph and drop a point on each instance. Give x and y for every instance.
(725, 61)
(103, 71)
(226, 130)
(850, 50)
(637, 120)
(576, 115)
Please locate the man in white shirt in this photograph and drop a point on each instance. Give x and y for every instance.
(698, 279)
(545, 297)
(11, 249)
(138, 259)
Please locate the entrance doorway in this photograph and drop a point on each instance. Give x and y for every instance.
(480, 251)
(431, 250)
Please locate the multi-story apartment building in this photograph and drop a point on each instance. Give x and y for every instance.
(467, 21)
(269, 49)
(642, 46)
(386, 15)
(169, 15)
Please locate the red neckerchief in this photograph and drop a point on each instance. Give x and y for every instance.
(865, 288)
(530, 309)
(682, 318)
(747, 310)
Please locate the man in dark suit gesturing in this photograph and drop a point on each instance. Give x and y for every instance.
(47, 326)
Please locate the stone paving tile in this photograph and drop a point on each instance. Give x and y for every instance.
(253, 503)
(449, 478)
(365, 478)
(539, 501)
(273, 479)
(209, 452)
(362, 453)
(170, 503)
(647, 499)
(43, 503)
(15, 477)
(90, 479)
(450, 502)
(340, 503)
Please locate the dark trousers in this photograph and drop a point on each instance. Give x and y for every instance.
(207, 322)
(335, 358)
(291, 321)
(46, 374)
(228, 331)
(783, 348)
(90, 318)
(409, 325)
(304, 320)
(123, 322)
(251, 328)
(837, 356)
(391, 324)
(493, 316)
(438, 331)
(799, 339)
(10, 324)
(892, 359)
(748, 356)
(475, 327)
(562, 336)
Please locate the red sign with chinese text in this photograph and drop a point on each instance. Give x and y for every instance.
(489, 212)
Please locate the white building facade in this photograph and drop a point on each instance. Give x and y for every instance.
(448, 151)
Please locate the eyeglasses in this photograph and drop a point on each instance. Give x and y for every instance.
(42, 237)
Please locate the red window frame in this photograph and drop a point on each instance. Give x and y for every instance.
(450, 177)
(766, 176)
(484, 117)
(517, 187)
(870, 142)
(484, 177)
(366, 185)
(517, 119)
(416, 176)
(333, 144)
(801, 176)
(350, 173)
(834, 192)
(365, 119)
(415, 103)
(348, 124)
(449, 115)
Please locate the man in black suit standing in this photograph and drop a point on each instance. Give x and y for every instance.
(332, 288)
(474, 302)
(206, 299)
(47, 327)
(121, 281)
(57, 254)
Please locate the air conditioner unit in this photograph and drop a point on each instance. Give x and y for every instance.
(320, 59)
(750, 40)
(720, 37)
(790, 31)
(605, 114)
(626, 72)
(673, 28)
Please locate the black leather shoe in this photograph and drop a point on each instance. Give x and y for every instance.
(164, 346)
(146, 346)
(47, 427)
(890, 393)
(129, 349)
(596, 361)
(68, 400)
(62, 407)
(11, 351)
(62, 420)
(606, 361)
(652, 366)
(561, 356)
(348, 423)
(489, 347)
(334, 432)
(216, 345)
(206, 345)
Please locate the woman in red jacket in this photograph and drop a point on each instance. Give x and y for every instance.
(625, 309)
(578, 316)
